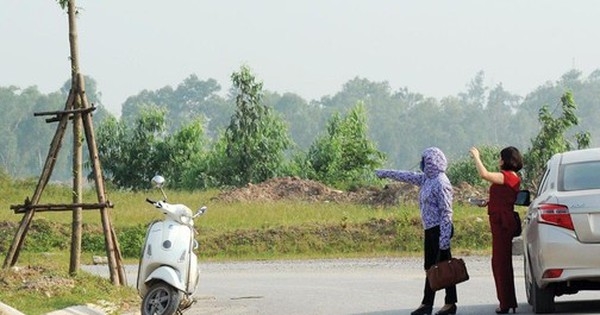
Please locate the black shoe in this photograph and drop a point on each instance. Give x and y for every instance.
(449, 311)
(505, 310)
(423, 310)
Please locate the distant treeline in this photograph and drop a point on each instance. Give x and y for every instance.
(399, 122)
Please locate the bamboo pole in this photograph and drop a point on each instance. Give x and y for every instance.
(77, 214)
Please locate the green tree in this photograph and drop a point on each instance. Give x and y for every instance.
(34, 138)
(304, 120)
(551, 139)
(256, 138)
(184, 154)
(498, 113)
(192, 100)
(474, 101)
(24, 138)
(111, 136)
(212, 172)
(344, 155)
(130, 157)
(16, 106)
(146, 100)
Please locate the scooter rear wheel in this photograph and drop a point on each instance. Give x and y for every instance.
(161, 299)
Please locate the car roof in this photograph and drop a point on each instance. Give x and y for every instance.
(576, 156)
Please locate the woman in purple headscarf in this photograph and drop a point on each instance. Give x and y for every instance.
(435, 203)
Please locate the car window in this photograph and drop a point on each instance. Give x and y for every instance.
(579, 176)
(544, 181)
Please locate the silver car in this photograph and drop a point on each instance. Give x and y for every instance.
(561, 230)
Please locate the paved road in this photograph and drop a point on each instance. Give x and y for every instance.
(350, 287)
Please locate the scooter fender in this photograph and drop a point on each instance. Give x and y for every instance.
(168, 275)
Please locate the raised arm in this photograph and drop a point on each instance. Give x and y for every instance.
(492, 177)
(415, 178)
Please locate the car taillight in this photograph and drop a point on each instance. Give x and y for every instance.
(552, 273)
(555, 214)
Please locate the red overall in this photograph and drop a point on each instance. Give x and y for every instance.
(500, 207)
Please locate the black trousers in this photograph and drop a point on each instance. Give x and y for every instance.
(433, 254)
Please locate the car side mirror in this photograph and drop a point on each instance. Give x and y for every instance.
(523, 198)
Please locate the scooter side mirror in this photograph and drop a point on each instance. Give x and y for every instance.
(200, 211)
(158, 181)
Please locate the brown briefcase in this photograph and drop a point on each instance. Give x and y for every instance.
(447, 273)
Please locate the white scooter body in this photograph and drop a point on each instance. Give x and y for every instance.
(168, 253)
(168, 257)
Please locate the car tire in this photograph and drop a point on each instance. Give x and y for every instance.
(161, 299)
(528, 280)
(542, 300)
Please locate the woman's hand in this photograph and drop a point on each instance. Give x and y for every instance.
(478, 202)
(474, 153)
(492, 177)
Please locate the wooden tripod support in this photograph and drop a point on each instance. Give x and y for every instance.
(78, 110)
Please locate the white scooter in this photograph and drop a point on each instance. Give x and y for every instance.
(168, 271)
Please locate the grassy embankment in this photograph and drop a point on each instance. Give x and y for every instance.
(228, 231)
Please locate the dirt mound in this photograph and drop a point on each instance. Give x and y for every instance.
(289, 188)
(294, 188)
(463, 191)
(389, 195)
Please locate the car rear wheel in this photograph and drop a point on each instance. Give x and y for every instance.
(527, 274)
(542, 300)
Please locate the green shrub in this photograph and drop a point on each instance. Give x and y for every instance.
(131, 240)
(93, 241)
(45, 235)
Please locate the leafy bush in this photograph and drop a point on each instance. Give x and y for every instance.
(93, 242)
(131, 240)
(47, 236)
(344, 157)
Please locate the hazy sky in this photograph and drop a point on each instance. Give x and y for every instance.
(308, 47)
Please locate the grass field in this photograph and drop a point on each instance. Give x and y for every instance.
(251, 230)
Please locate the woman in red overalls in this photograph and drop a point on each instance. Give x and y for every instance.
(503, 194)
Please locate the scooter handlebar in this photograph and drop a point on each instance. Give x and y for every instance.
(157, 204)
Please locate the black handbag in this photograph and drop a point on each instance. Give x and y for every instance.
(523, 199)
(447, 273)
(518, 221)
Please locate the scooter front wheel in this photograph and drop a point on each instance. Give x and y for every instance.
(161, 299)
